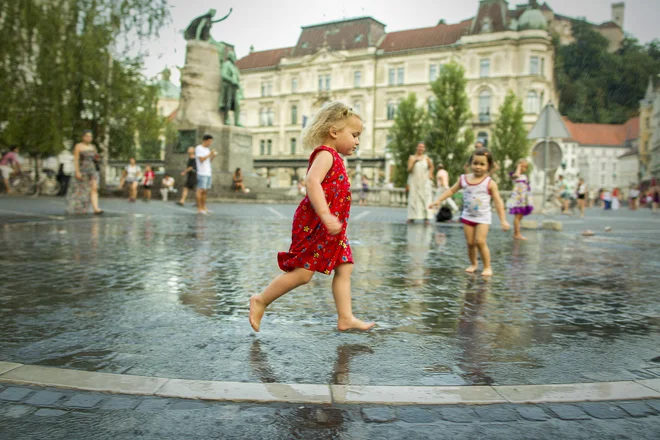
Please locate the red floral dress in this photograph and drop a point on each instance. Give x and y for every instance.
(312, 248)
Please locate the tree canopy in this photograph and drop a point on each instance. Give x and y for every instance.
(509, 142)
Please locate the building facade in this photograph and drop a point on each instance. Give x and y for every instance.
(654, 135)
(358, 62)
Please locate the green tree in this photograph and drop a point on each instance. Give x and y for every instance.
(410, 127)
(449, 135)
(509, 143)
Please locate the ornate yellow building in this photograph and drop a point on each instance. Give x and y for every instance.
(358, 62)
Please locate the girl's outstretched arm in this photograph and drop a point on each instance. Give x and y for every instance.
(492, 187)
(317, 172)
(445, 195)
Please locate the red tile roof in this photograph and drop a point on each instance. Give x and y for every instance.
(356, 33)
(603, 134)
(440, 35)
(265, 58)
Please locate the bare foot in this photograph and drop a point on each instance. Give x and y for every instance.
(257, 309)
(471, 269)
(487, 272)
(354, 324)
(519, 237)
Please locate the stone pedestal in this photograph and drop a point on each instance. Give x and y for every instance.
(198, 114)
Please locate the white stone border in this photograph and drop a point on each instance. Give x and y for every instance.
(325, 394)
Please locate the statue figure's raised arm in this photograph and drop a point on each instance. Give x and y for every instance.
(223, 18)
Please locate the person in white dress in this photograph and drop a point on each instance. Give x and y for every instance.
(420, 170)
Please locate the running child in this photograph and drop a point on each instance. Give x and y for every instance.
(478, 189)
(319, 242)
(520, 202)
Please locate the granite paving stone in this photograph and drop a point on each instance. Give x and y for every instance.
(15, 411)
(462, 414)
(496, 413)
(637, 409)
(187, 405)
(119, 402)
(152, 404)
(655, 404)
(532, 413)
(568, 412)
(44, 397)
(14, 394)
(602, 410)
(414, 414)
(49, 412)
(378, 414)
(82, 401)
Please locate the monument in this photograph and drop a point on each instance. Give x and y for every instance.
(210, 103)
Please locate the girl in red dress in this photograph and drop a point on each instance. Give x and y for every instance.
(318, 239)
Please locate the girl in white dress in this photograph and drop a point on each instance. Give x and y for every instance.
(478, 190)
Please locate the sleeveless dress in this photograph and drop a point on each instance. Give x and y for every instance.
(520, 201)
(419, 197)
(79, 193)
(312, 247)
(476, 202)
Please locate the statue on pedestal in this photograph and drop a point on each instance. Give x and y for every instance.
(230, 98)
(200, 27)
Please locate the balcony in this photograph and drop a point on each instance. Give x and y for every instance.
(484, 118)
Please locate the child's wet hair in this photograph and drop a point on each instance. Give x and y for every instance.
(333, 114)
(487, 154)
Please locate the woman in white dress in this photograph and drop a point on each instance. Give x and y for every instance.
(420, 170)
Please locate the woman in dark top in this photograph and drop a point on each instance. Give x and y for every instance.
(238, 181)
(191, 171)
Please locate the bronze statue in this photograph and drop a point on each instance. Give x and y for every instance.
(200, 27)
(230, 99)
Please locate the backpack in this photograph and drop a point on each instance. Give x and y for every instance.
(444, 214)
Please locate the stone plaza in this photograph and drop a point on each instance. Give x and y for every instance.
(126, 325)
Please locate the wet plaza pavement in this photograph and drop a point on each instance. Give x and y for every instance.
(155, 290)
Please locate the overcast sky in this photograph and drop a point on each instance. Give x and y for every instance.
(268, 25)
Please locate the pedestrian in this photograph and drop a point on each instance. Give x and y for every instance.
(442, 182)
(237, 181)
(166, 186)
(148, 182)
(478, 190)
(581, 195)
(319, 242)
(607, 200)
(84, 188)
(8, 165)
(364, 191)
(65, 171)
(204, 155)
(634, 196)
(520, 202)
(191, 176)
(655, 196)
(616, 203)
(420, 169)
(131, 176)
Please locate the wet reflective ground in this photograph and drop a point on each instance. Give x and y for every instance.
(167, 296)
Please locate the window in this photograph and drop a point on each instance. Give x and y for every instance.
(430, 103)
(534, 67)
(484, 106)
(573, 163)
(532, 102)
(324, 82)
(357, 78)
(392, 76)
(293, 146)
(391, 109)
(433, 72)
(484, 70)
(320, 83)
(263, 116)
(542, 72)
(266, 88)
(399, 76)
(483, 138)
(270, 116)
(602, 180)
(614, 167)
(294, 85)
(262, 147)
(294, 114)
(602, 166)
(327, 82)
(269, 144)
(357, 106)
(263, 89)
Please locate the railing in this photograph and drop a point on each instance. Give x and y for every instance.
(384, 197)
(114, 169)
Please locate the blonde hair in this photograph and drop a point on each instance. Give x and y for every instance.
(333, 114)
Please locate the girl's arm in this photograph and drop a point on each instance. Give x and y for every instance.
(516, 173)
(430, 164)
(447, 194)
(76, 161)
(499, 206)
(317, 172)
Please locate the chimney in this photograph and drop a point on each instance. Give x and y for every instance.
(618, 10)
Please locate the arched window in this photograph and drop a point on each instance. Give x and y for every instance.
(484, 106)
(532, 103)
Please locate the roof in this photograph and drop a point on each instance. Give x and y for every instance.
(329, 23)
(440, 35)
(631, 152)
(613, 135)
(356, 33)
(166, 89)
(265, 58)
(496, 12)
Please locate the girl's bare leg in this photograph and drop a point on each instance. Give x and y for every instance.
(341, 291)
(184, 194)
(481, 234)
(284, 283)
(517, 235)
(472, 248)
(94, 196)
(133, 192)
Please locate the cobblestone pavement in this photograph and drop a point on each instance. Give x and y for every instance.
(152, 289)
(42, 413)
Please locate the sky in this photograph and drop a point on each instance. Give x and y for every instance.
(267, 24)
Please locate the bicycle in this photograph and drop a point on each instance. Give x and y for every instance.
(23, 184)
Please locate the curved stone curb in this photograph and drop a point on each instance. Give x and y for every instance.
(325, 394)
